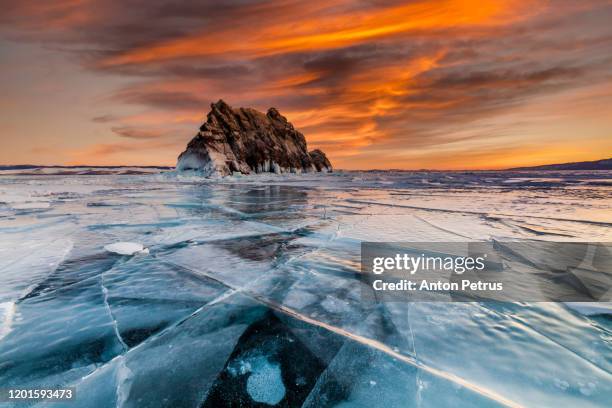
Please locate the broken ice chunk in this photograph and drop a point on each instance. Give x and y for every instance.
(126, 248)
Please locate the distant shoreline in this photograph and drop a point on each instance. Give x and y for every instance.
(603, 164)
(596, 165)
(42, 166)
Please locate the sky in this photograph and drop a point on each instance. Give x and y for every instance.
(436, 84)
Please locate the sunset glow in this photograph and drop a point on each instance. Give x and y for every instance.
(377, 84)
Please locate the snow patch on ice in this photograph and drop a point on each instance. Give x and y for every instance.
(126, 248)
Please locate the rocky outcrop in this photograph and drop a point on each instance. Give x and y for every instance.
(248, 141)
(320, 160)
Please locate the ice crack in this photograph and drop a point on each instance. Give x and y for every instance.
(111, 314)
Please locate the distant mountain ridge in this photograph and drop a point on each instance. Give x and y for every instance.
(81, 170)
(42, 166)
(604, 164)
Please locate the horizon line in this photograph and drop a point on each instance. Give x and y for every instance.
(519, 168)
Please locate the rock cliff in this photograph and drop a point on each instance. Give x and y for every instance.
(247, 141)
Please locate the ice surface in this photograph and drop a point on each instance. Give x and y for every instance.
(251, 290)
(7, 313)
(591, 308)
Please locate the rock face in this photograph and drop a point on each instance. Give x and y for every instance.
(248, 141)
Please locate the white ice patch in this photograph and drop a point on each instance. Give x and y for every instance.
(124, 378)
(126, 248)
(7, 312)
(591, 308)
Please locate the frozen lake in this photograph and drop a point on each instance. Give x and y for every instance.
(166, 290)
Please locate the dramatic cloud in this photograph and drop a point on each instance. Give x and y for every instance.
(369, 80)
(103, 119)
(132, 133)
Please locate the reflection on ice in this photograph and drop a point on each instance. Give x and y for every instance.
(251, 291)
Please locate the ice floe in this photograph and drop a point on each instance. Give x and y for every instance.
(126, 248)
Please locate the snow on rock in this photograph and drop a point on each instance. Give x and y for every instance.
(126, 248)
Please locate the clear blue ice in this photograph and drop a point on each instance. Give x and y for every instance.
(249, 291)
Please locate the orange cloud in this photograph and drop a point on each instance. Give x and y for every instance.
(56, 14)
(325, 32)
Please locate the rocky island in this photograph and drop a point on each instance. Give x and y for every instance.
(248, 141)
